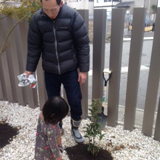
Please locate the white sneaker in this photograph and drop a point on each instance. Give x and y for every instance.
(77, 136)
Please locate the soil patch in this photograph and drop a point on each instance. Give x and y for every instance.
(79, 152)
(6, 132)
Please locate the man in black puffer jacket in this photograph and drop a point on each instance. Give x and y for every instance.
(58, 33)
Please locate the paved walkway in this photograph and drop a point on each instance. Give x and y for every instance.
(147, 36)
(138, 118)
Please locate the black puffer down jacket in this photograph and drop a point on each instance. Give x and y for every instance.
(63, 42)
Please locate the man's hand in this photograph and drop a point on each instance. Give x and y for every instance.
(82, 77)
(28, 73)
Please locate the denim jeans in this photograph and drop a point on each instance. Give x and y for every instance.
(70, 82)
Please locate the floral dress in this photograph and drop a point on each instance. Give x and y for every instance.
(46, 147)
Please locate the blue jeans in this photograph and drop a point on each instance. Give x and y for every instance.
(70, 82)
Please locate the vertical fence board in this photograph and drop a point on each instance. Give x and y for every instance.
(5, 78)
(153, 81)
(84, 87)
(3, 92)
(23, 28)
(157, 129)
(99, 35)
(21, 63)
(31, 94)
(41, 85)
(6, 63)
(134, 67)
(115, 64)
(11, 59)
(14, 54)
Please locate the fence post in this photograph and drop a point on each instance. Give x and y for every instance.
(84, 87)
(153, 81)
(157, 129)
(134, 66)
(31, 94)
(15, 54)
(20, 56)
(99, 35)
(41, 85)
(115, 64)
(7, 65)
(3, 91)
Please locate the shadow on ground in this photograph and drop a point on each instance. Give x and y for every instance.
(7, 133)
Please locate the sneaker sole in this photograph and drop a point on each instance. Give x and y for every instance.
(76, 140)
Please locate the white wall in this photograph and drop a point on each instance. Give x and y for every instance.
(158, 3)
(102, 3)
(83, 4)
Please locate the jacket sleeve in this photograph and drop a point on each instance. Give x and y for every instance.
(81, 41)
(34, 45)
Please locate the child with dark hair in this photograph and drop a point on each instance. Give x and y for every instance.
(48, 140)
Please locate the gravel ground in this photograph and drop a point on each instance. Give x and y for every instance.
(123, 145)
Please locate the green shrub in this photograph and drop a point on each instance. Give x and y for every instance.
(93, 129)
(26, 9)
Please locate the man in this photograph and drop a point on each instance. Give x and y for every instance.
(59, 33)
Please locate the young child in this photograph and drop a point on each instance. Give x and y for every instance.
(48, 139)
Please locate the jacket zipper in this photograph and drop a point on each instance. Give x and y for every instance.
(54, 30)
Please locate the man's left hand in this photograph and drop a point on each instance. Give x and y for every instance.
(82, 77)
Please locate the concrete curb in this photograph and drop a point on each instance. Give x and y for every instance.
(145, 38)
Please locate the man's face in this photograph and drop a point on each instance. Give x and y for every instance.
(51, 8)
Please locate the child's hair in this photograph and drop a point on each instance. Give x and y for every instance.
(54, 110)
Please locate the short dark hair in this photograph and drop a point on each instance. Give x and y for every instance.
(58, 1)
(54, 110)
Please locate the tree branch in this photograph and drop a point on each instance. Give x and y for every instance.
(4, 46)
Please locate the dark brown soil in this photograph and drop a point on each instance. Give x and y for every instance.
(6, 132)
(79, 152)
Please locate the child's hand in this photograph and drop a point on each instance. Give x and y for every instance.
(60, 158)
(58, 140)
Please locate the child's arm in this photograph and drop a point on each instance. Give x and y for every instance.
(60, 158)
(53, 143)
(58, 141)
